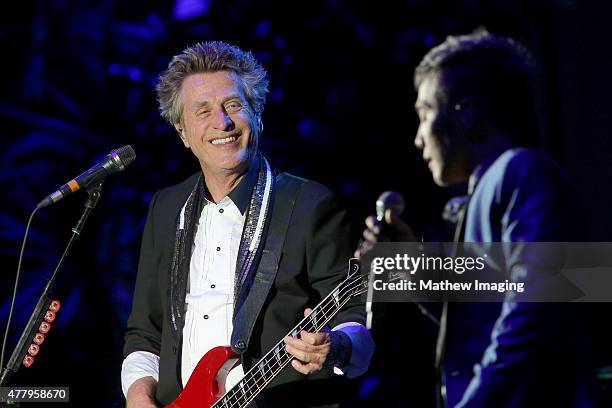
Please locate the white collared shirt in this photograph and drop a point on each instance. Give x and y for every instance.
(210, 299)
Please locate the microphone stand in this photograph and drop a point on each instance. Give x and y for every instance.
(43, 303)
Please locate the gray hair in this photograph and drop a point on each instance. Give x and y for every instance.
(210, 56)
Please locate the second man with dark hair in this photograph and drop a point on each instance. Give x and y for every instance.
(475, 108)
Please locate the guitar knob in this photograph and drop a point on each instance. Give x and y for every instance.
(44, 327)
(55, 305)
(33, 349)
(50, 316)
(39, 338)
(28, 360)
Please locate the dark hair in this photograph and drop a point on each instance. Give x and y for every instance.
(495, 72)
(210, 56)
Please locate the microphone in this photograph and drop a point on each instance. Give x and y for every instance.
(117, 160)
(395, 202)
(389, 200)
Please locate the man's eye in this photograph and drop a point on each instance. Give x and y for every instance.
(233, 106)
(203, 112)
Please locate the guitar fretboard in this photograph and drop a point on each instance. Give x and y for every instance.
(266, 369)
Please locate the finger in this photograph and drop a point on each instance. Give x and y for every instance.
(364, 248)
(299, 354)
(307, 311)
(390, 217)
(393, 219)
(306, 368)
(303, 368)
(300, 367)
(315, 358)
(299, 346)
(370, 236)
(373, 224)
(315, 339)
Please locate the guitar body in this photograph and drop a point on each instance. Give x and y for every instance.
(202, 390)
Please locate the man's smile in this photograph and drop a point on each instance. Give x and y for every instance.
(224, 141)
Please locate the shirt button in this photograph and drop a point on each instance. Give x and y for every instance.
(205, 317)
(213, 286)
(221, 210)
(218, 248)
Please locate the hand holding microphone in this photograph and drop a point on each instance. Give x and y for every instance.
(386, 225)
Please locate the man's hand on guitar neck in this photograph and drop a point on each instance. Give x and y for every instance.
(315, 351)
(141, 393)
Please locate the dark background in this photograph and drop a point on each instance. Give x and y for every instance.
(77, 81)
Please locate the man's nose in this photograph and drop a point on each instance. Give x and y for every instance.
(418, 140)
(223, 121)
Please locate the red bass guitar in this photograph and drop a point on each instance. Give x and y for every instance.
(203, 390)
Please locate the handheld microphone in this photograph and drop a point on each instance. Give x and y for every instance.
(389, 200)
(395, 202)
(117, 160)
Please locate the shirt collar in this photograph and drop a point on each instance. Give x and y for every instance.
(475, 177)
(482, 168)
(241, 194)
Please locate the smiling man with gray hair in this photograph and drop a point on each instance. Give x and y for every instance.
(238, 253)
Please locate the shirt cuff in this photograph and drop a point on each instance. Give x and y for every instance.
(137, 365)
(362, 349)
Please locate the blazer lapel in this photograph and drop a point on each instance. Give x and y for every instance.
(267, 261)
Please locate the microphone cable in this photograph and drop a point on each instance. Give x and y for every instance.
(10, 315)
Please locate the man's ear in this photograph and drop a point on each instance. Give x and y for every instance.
(181, 131)
(466, 116)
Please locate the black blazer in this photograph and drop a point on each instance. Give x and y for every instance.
(313, 260)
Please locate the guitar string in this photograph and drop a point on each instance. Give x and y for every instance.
(274, 370)
(250, 380)
(252, 389)
(281, 348)
(356, 281)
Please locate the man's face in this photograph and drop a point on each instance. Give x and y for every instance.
(218, 122)
(439, 135)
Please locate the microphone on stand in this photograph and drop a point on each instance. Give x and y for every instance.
(389, 200)
(117, 160)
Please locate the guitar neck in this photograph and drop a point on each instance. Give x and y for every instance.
(270, 365)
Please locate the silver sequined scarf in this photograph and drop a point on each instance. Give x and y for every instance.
(254, 225)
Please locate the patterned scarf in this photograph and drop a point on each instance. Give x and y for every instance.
(254, 225)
